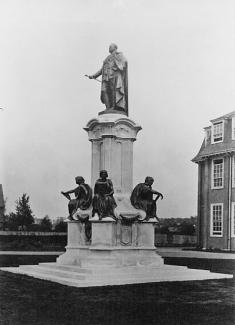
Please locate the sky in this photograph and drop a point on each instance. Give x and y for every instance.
(181, 75)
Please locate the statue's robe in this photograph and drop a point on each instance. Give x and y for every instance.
(142, 198)
(103, 201)
(83, 198)
(115, 81)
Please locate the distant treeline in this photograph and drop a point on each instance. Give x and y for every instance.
(177, 226)
(23, 219)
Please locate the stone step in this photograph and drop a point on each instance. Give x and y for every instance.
(98, 272)
(64, 267)
(110, 274)
(116, 279)
(43, 276)
(55, 272)
(100, 261)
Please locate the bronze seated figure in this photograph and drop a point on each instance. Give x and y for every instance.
(142, 198)
(82, 200)
(103, 201)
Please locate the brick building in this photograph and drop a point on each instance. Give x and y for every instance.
(216, 185)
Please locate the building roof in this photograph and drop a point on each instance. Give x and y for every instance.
(2, 203)
(224, 117)
(209, 149)
(214, 149)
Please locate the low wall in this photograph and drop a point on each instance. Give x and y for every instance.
(31, 233)
(175, 240)
(33, 240)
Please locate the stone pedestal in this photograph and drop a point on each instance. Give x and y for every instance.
(77, 244)
(113, 244)
(112, 137)
(103, 233)
(76, 234)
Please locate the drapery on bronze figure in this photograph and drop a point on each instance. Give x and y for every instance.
(114, 85)
(83, 197)
(103, 201)
(142, 198)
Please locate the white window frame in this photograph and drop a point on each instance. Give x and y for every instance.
(212, 234)
(207, 136)
(233, 171)
(233, 128)
(233, 220)
(212, 132)
(212, 174)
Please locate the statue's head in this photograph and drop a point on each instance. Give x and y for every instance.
(103, 174)
(112, 47)
(79, 180)
(149, 180)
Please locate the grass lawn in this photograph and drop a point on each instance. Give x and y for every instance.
(16, 260)
(25, 300)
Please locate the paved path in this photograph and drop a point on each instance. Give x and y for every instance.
(178, 252)
(163, 251)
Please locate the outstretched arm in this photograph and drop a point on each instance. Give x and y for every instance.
(96, 75)
(158, 194)
(69, 192)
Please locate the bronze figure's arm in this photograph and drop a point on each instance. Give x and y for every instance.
(66, 194)
(111, 188)
(158, 195)
(96, 75)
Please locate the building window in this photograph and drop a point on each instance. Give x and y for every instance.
(217, 173)
(218, 132)
(216, 227)
(233, 220)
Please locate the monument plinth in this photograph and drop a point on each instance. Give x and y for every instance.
(112, 137)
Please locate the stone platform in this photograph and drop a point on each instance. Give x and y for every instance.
(118, 254)
(105, 276)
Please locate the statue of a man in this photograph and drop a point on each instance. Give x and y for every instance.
(83, 197)
(114, 85)
(103, 201)
(142, 198)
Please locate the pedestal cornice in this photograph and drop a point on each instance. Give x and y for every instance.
(112, 125)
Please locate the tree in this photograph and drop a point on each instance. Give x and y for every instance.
(61, 227)
(46, 224)
(11, 222)
(24, 214)
(3, 216)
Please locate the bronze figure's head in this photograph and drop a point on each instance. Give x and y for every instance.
(79, 180)
(103, 174)
(149, 180)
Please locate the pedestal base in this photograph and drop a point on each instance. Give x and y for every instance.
(111, 262)
(100, 275)
(113, 243)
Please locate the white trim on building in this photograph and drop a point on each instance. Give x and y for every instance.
(217, 173)
(217, 132)
(233, 171)
(233, 220)
(216, 220)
